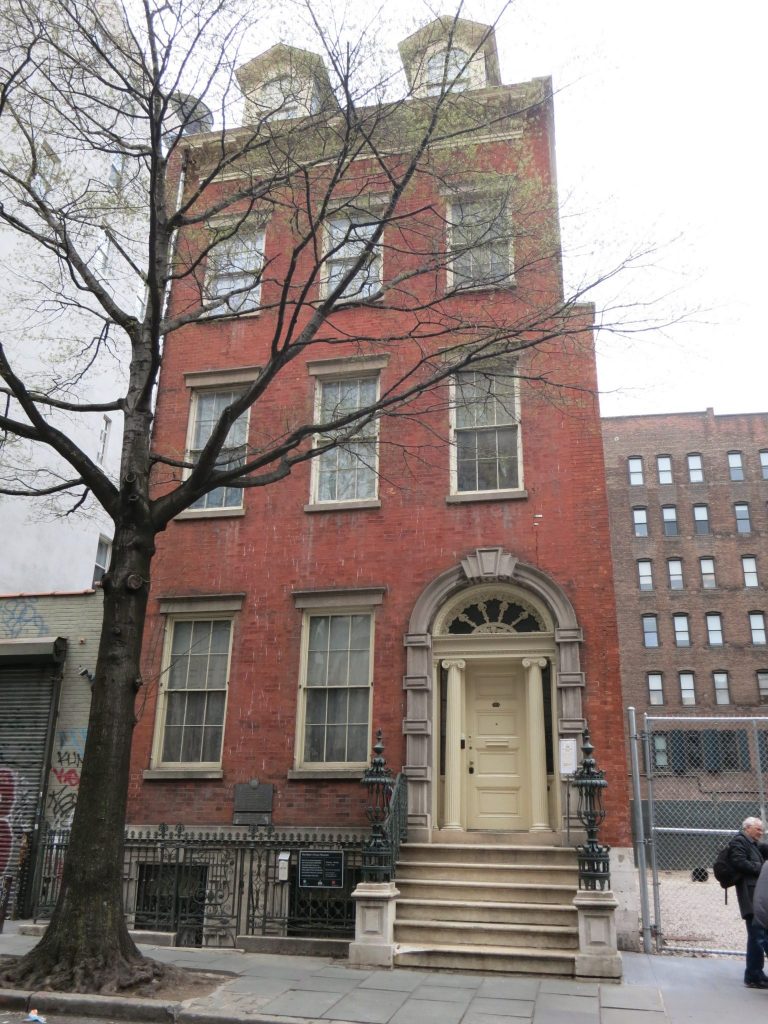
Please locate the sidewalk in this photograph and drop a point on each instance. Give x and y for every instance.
(277, 989)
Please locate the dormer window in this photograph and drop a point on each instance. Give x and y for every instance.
(447, 69)
(279, 98)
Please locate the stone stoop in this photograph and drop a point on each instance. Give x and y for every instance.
(487, 907)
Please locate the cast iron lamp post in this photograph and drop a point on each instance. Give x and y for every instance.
(589, 780)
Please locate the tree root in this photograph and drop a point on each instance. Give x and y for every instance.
(93, 973)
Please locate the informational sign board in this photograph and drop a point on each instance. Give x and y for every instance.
(568, 756)
(321, 869)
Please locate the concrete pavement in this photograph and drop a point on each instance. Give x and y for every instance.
(278, 989)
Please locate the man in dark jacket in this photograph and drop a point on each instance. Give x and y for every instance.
(747, 856)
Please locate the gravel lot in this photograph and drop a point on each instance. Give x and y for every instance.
(694, 914)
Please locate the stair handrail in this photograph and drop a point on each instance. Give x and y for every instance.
(387, 812)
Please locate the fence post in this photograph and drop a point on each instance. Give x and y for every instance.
(642, 867)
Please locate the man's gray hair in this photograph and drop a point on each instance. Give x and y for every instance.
(749, 822)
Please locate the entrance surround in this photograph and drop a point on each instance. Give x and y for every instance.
(490, 566)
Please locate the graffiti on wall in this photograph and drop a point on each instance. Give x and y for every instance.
(64, 782)
(17, 803)
(20, 616)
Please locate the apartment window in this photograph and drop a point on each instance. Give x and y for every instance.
(480, 242)
(687, 688)
(233, 275)
(707, 566)
(664, 468)
(193, 693)
(650, 631)
(757, 627)
(655, 688)
(682, 631)
(447, 69)
(695, 469)
(336, 688)
(714, 629)
(762, 687)
(640, 521)
(104, 435)
(103, 555)
(279, 99)
(660, 752)
(741, 511)
(701, 519)
(116, 170)
(710, 750)
(764, 464)
(486, 435)
(735, 466)
(645, 575)
(722, 688)
(347, 470)
(635, 470)
(669, 520)
(675, 570)
(47, 161)
(749, 569)
(207, 407)
(349, 239)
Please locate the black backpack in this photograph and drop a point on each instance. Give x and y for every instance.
(723, 869)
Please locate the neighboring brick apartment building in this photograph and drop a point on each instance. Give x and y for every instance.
(462, 603)
(688, 497)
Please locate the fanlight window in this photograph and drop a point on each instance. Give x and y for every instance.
(494, 615)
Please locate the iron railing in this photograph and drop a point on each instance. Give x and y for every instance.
(382, 851)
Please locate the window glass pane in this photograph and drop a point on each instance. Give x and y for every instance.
(675, 567)
(645, 575)
(757, 627)
(687, 690)
(714, 630)
(762, 687)
(722, 695)
(650, 631)
(348, 238)
(480, 242)
(682, 634)
(635, 469)
(707, 573)
(695, 469)
(701, 518)
(486, 449)
(234, 271)
(735, 468)
(669, 518)
(764, 464)
(664, 467)
(655, 691)
(447, 70)
(640, 522)
(208, 407)
(743, 524)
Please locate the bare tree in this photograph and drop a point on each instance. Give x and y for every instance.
(125, 134)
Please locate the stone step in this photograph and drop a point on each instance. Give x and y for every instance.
(496, 853)
(493, 892)
(505, 959)
(466, 933)
(531, 873)
(486, 912)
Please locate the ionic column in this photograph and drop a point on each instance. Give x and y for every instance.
(537, 753)
(452, 801)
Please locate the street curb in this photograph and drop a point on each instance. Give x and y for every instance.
(208, 1017)
(104, 1006)
(13, 999)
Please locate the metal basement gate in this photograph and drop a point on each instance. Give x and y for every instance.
(28, 700)
(700, 778)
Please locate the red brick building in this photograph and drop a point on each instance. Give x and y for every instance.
(687, 495)
(443, 576)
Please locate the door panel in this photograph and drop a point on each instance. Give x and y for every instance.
(496, 748)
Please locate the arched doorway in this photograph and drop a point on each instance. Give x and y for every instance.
(493, 685)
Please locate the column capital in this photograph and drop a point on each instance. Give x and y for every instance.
(534, 662)
(454, 663)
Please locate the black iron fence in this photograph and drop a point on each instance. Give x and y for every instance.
(206, 888)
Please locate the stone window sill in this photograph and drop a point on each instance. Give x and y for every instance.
(175, 774)
(342, 506)
(460, 499)
(354, 774)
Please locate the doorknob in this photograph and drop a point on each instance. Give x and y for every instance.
(471, 767)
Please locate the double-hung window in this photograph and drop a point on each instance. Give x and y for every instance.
(233, 273)
(669, 520)
(735, 466)
(708, 581)
(635, 470)
(650, 631)
(722, 688)
(764, 464)
(655, 688)
(207, 407)
(640, 522)
(743, 522)
(749, 569)
(695, 468)
(485, 431)
(762, 687)
(687, 688)
(347, 467)
(350, 250)
(682, 630)
(701, 519)
(645, 575)
(757, 627)
(714, 629)
(664, 468)
(675, 570)
(103, 556)
(480, 242)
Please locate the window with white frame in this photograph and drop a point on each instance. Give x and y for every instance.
(349, 243)
(701, 519)
(207, 407)
(764, 464)
(707, 566)
(116, 170)
(104, 435)
(103, 556)
(279, 98)
(669, 520)
(735, 466)
(762, 686)
(640, 521)
(480, 242)
(682, 630)
(650, 631)
(635, 470)
(193, 692)
(447, 69)
(675, 570)
(347, 468)
(655, 688)
(749, 569)
(485, 431)
(645, 574)
(714, 629)
(660, 751)
(743, 523)
(687, 688)
(695, 468)
(233, 273)
(757, 627)
(336, 679)
(664, 468)
(722, 688)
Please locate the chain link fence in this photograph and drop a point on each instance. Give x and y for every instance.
(695, 780)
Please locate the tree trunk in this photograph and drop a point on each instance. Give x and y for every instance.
(86, 947)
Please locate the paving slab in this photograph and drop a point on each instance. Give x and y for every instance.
(363, 1006)
(493, 1018)
(424, 1011)
(443, 993)
(396, 980)
(563, 986)
(509, 988)
(635, 997)
(453, 980)
(302, 1004)
(484, 1006)
(567, 1002)
(626, 1016)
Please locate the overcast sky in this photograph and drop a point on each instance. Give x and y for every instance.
(661, 126)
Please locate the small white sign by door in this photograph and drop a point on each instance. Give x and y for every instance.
(568, 755)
